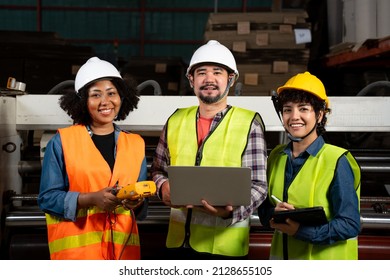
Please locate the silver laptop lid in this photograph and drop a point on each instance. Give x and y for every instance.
(219, 186)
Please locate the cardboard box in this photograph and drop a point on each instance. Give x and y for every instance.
(243, 27)
(251, 79)
(239, 46)
(259, 79)
(280, 67)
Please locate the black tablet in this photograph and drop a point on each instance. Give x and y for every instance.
(306, 216)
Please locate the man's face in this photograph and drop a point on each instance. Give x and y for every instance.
(209, 83)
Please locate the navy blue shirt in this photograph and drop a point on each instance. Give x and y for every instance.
(344, 203)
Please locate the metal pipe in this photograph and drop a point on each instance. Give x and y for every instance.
(39, 15)
(372, 158)
(374, 199)
(374, 168)
(57, 88)
(153, 83)
(25, 220)
(375, 221)
(34, 167)
(24, 197)
(368, 90)
(160, 215)
(29, 167)
(142, 28)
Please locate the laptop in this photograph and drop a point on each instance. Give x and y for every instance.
(219, 186)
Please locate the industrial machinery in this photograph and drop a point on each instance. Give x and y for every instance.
(28, 121)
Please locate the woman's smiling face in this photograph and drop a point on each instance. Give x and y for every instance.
(103, 103)
(299, 118)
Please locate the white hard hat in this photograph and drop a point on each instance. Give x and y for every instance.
(94, 69)
(213, 52)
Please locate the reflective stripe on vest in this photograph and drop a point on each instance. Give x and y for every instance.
(302, 194)
(223, 147)
(90, 236)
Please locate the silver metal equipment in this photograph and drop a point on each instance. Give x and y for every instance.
(28, 121)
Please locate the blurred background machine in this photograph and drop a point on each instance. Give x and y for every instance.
(28, 121)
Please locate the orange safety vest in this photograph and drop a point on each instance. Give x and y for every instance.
(97, 234)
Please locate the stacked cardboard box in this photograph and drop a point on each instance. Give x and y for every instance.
(269, 47)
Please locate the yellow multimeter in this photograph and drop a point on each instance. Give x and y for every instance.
(137, 190)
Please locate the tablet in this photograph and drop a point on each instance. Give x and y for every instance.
(307, 216)
(219, 186)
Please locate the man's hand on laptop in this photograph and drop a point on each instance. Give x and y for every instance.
(166, 195)
(224, 212)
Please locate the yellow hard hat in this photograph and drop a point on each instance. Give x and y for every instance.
(306, 82)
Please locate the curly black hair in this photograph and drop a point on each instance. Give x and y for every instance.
(300, 96)
(75, 104)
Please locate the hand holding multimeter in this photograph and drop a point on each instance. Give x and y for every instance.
(135, 191)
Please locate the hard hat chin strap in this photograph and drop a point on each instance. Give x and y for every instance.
(230, 83)
(299, 139)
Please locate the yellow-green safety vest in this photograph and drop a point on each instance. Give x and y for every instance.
(310, 188)
(223, 147)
